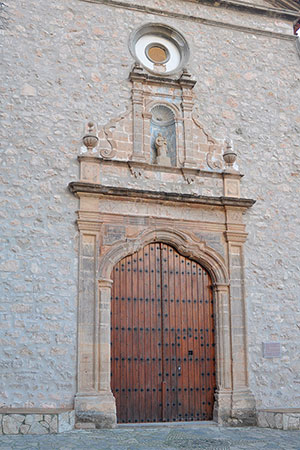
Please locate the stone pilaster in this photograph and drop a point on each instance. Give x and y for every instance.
(231, 184)
(137, 77)
(222, 407)
(243, 402)
(89, 169)
(94, 401)
(147, 135)
(187, 105)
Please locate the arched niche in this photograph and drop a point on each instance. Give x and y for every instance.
(163, 123)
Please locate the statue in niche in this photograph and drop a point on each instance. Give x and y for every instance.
(161, 146)
(163, 136)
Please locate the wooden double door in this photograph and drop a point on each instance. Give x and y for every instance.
(162, 337)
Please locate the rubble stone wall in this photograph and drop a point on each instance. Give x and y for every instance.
(68, 62)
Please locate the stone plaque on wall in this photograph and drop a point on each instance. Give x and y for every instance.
(271, 350)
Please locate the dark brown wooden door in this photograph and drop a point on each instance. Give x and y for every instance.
(162, 328)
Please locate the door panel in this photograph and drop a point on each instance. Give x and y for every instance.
(162, 337)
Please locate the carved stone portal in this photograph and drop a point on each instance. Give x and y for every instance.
(159, 176)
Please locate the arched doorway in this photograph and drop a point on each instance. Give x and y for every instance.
(162, 337)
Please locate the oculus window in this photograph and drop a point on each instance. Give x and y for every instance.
(159, 48)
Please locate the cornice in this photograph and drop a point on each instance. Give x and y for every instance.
(236, 236)
(250, 7)
(232, 5)
(155, 167)
(160, 79)
(78, 187)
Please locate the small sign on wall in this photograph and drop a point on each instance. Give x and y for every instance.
(271, 350)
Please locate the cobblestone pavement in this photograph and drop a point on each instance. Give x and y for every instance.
(155, 438)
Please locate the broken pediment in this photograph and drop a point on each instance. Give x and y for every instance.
(161, 127)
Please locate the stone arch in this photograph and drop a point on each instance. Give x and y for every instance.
(209, 259)
(94, 397)
(180, 240)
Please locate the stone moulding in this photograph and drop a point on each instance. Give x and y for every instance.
(77, 187)
(183, 242)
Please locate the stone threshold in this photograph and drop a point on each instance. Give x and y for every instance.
(36, 420)
(279, 418)
(197, 423)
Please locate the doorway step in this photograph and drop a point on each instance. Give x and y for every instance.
(203, 423)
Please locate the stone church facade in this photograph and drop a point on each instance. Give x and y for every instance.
(154, 126)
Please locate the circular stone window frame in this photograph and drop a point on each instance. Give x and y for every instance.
(162, 31)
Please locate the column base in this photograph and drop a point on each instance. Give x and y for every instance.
(235, 408)
(222, 406)
(243, 411)
(98, 408)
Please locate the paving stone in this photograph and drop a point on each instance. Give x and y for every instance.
(155, 438)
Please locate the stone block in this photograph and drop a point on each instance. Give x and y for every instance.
(29, 419)
(53, 426)
(278, 421)
(18, 417)
(10, 425)
(271, 420)
(38, 428)
(24, 429)
(294, 423)
(85, 426)
(47, 418)
(261, 420)
(285, 422)
(66, 421)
